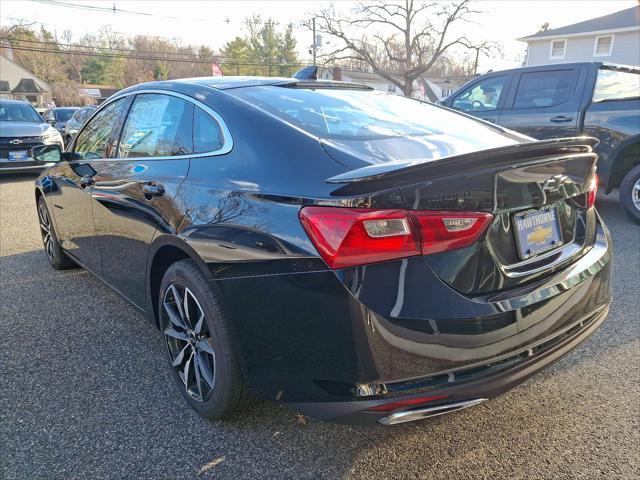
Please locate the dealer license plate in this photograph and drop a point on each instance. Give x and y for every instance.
(18, 156)
(537, 231)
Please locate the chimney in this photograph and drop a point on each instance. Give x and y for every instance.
(337, 73)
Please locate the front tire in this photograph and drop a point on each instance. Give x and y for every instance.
(630, 192)
(202, 351)
(56, 256)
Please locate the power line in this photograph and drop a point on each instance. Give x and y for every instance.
(162, 59)
(115, 10)
(84, 49)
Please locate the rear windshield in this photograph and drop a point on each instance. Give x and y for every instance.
(19, 112)
(349, 113)
(616, 85)
(63, 114)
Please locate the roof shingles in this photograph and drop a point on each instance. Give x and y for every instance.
(628, 18)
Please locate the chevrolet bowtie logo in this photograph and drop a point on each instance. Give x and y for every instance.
(554, 183)
(15, 141)
(539, 235)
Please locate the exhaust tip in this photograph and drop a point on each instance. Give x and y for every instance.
(421, 413)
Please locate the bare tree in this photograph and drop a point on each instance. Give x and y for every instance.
(404, 37)
(486, 48)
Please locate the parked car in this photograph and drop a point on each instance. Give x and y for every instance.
(75, 122)
(21, 129)
(358, 256)
(550, 101)
(59, 116)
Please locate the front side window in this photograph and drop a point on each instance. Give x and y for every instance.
(79, 116)
(481, 96)
(207, 136)
(603, 46)
(558, 49)
(616, 85)
(96, 140)
(157, 126)
(544, 89)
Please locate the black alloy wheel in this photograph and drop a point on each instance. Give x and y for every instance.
(189, 342)
(203, 352)
(56, 256)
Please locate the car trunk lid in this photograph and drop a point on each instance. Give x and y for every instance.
(537, 192)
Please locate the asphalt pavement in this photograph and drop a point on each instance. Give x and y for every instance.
(85, 392)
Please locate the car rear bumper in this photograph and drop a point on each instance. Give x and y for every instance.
(497, 379)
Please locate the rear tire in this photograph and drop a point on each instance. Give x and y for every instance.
(202, 350)
(630, 192)
(56, 256)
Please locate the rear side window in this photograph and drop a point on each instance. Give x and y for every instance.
(544, 89)
(616, 85)
(157, 126)
(207, 136)
(96, 140)
(354, 113)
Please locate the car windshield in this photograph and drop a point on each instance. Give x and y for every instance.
(63, 114)
(348, 113)
(616, 85)
(18, 112)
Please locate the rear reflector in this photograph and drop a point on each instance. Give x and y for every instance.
(347, 237)
(411, 402)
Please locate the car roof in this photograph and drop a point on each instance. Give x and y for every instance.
(533, 68)
(15, 102)
(228, 83)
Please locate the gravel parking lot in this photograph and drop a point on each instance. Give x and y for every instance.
(85, 393)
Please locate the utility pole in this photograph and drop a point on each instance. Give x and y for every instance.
(475, 65)
(314, 46)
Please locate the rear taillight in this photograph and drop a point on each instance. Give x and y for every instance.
(346, 237)
(350, 236)
(592, 192)
(441, 231)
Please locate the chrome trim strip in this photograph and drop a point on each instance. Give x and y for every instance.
(40, 166)
(419, 414)
(227, 139)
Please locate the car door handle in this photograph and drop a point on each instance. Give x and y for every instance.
(153, 190)
(87, 181)
(561, 119)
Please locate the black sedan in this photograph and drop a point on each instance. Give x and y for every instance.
(358, 256)
(21, 129)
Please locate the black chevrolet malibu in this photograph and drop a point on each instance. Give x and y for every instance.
(358, 256)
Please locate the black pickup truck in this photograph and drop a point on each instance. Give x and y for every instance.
(550, 101)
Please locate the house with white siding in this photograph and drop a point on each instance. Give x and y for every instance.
(612, 38)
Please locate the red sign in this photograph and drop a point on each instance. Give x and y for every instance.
(216, 70)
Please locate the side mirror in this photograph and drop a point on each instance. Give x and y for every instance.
(46, 153)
